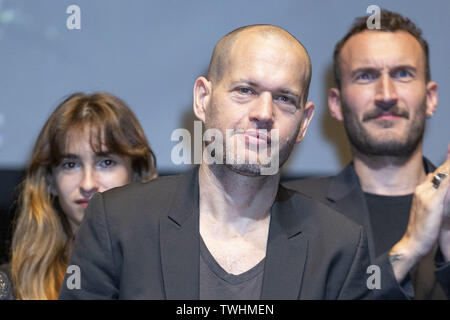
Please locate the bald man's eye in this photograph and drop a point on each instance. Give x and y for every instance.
(246, 91)
(285, 99)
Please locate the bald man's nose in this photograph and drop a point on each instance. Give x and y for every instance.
(262, 111)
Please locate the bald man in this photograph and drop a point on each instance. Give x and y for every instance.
(226, 229)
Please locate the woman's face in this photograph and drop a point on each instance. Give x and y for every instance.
(82, 172)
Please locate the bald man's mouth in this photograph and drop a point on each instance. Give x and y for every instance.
(257, 137)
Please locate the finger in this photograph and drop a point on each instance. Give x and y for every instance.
(443, 168)
(428, 179)
(447, 204)
(446, 195)
(428, 186)
(444, 182)
(443, 188)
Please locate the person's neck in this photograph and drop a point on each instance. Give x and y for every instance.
(394, 176)
(231, 198)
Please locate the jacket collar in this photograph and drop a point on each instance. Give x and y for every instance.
(185, 203)
(347, 181)
(186, 197)
(429, 167)
(345, 186)
(287, 246)
(180, 240)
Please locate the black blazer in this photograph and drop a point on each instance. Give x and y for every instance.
(343, 193)
(141, 241)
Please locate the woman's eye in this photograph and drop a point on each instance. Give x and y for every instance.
(67, 165)
(106, 163)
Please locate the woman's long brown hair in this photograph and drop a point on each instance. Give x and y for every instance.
(42, 238)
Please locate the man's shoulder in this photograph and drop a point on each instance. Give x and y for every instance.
(323, 220)
(140, 191)
(321, 187)
(315, 187)
(306, 183)
(137, 201)
(337, 245)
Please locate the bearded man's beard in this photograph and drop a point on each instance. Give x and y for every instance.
(370, 145)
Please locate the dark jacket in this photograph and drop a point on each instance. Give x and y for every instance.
(141, 241)
(343, 193)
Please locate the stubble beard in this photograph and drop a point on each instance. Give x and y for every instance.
(365, 143)
(254, 169)
(250, 169)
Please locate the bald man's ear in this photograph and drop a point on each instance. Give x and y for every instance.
(307, 116)
(334, 104)
(202, 95)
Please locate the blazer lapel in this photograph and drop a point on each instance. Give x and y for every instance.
(286, 251)
(346, 196)
(179, 240)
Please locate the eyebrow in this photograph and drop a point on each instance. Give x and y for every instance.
(75, 156)
(246, 82)
(364, 70)
(69, 156)
(254, 84)
(377, 70)
(103, 154)
(407, 67)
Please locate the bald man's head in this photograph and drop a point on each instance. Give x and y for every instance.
(220, 59)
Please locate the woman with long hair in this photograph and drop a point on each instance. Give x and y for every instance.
(90, 143)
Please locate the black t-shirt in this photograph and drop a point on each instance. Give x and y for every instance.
(389, 217)
(217, 284)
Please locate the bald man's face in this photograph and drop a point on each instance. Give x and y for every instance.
(261, 89)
